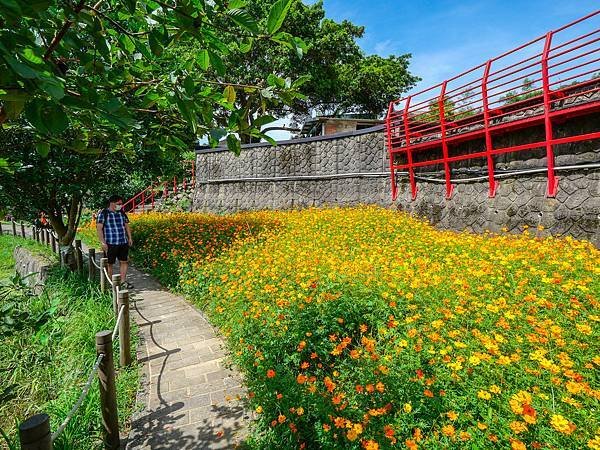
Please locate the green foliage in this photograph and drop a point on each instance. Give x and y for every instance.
(321, 55)
(107, 74)
(48, 350)
(527, 91)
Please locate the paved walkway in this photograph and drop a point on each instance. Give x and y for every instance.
(190, 399)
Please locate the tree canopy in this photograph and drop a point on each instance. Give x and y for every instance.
(337, 76)
(99, 69)
(91, 86)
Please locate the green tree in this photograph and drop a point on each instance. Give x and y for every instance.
(334, 73)
(91, 79)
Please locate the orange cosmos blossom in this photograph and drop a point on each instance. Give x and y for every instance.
(270, 373)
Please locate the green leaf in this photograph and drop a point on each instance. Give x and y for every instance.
(246, 45)
(53, 87)
(234, 144)
(126, 43)
(46, 117)
(300, 47)
(30, 55)
(244, 20)
(236, 4)
(10, 8)
(14, 95)
(13, 109)
(56, 119)
(203, 59)
(217, 62)
(154, 41)
(43, 148)
(131, 4)
(277, 15)
(263, 120)
(229, 94)
(216, 134)
(301, 80)
(189, 86)
(269, 139)
(21, 69)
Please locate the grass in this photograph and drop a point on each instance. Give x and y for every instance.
(48, 349)
(366, 328)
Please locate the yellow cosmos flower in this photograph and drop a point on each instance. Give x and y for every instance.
(561, 424)
(484, 395)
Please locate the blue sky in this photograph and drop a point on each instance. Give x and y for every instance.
(446, 37)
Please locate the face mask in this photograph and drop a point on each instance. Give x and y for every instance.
(118, 207)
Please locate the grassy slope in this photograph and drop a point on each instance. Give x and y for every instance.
(45, 358)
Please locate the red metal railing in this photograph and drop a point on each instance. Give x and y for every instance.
(145, 199)
(543, 82)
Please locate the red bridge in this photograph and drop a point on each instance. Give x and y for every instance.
(546, 81)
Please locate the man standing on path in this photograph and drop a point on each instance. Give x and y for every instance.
(112, 226)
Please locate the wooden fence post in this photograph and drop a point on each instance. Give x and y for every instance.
(91, 259)
(34, 433)
(124, 339)
(79, 255)
(116, 281)
(46, 237)
(22, 230)
(14, 226)
(1, 230)
(53, 241)
(103, 279)
(108, 392)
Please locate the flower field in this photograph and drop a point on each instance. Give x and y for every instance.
(366, 328)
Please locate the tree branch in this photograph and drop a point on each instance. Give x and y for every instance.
(115, 23)
(61, 34)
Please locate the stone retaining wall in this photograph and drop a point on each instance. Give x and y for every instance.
(353, 168)
(34, 264)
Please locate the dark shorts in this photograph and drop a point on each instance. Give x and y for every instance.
(117, 251)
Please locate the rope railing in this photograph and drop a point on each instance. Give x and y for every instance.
(35, 431)
(107, 276)
(82, 396)
(118, 323)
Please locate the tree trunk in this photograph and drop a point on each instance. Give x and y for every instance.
(66, 232)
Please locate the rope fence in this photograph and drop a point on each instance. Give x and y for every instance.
(80, 400)
(34, 433)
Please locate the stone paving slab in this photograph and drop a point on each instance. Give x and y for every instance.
(189, 399)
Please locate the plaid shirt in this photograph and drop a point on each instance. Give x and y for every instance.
(114, 226)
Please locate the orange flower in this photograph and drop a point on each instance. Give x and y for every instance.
(270, 373)
(428, 393)
(301, 378)
(448, 430)
(370, 445)
(410, 444)
(281, 418)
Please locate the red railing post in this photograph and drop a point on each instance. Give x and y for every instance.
(152, 197)
(411, 171)
(449, 186)
(493, 185)
(143, 201)
(388, 124)
(552, 180)
(165, 190)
